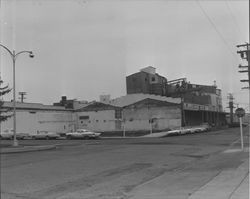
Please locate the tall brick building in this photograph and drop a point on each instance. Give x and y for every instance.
(201, 103)
(146, 81)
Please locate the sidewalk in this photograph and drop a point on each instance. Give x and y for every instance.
(229, 184)
(199, 183)
(21, 149)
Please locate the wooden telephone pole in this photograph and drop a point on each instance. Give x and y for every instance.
(245, 55)
(231, 107)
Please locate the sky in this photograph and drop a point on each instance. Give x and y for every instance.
(86, 48)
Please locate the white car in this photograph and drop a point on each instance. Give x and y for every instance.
(185, 131)
(46, 135)
(199, 129)
(173, 133)
(82, 134)
(193, 130)
(6, 135)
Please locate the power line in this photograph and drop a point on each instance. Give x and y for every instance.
(234, 18)
(218, 32)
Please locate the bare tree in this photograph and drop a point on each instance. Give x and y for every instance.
(3, 111)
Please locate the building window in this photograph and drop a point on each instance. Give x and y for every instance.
(89, 121)
(81, 122)
(32, 112)
(104, 120)
(153, 79)
(118, 113)
(84, 117)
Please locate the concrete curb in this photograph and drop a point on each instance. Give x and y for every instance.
(26, 149)
(118, 137)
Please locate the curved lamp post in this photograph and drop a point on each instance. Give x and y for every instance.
(14, 56)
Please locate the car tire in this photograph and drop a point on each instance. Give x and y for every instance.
(69, 137)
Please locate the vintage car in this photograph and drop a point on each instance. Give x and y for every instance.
(9, 134)
(173, 133)
(46, 135)
(82, 134)
(6, 135)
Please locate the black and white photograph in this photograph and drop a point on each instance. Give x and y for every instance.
(124, 99)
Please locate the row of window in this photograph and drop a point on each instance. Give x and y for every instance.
(95, 121)
(146, 79)
(118, 115)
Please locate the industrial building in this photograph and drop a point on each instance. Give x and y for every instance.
(135, 112)
(33, 117)
(152, 104)
(200, 103)
(146, 81)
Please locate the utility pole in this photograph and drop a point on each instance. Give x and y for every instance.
(22, 94)
(245, 54)
(231, 106)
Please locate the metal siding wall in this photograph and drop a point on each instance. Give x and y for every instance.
(138, 119)
(107, 115)
(40, 120)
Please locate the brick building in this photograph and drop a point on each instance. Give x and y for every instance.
(146, 81)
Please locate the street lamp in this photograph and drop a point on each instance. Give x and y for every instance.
(14, 55)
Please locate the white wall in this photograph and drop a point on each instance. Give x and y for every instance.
(32, 121)
(135, 120)
(103, 120)
(166, 117)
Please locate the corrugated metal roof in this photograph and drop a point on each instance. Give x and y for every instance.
(133, 98)
(97, 106)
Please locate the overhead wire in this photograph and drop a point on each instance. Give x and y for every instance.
(216, 29)
(234, 19)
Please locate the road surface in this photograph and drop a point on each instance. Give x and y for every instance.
(136, 168)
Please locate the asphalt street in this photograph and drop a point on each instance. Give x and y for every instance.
(171, 167)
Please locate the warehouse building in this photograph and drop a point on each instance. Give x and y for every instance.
(200, 103)
(33, 117)
(133, 113)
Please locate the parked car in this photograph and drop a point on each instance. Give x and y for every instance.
(6, 135)
(206, 126)
(46, 135)
(9, 134)
(185, 131)
(173, 133)
(22, 136)
(82, 134)
(198, 129)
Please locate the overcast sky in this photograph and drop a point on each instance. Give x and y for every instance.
(84, 48)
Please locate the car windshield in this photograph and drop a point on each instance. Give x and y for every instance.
(42, 132)
(82, 130)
